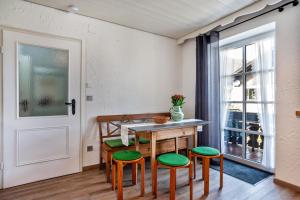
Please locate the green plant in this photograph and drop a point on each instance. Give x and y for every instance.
(177, 100)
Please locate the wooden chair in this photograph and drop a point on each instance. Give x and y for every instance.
(122, 158)
(174, 161)
(206, 153)
(110, 142)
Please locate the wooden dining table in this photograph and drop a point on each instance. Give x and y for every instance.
(155, 132)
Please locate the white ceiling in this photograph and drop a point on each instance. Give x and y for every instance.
(171, 18)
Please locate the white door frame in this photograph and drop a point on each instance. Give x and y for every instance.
(82, 89)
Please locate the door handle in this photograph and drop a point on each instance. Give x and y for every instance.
(73, 104)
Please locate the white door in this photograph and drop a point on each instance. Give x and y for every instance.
(41, 133)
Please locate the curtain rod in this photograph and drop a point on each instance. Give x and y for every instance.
(280, 8)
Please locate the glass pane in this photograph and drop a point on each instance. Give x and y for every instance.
(233, 115)
(252, 87)
(43, 81)
(233, 143)
(260, 55)
(231, 61)
(232, 88)
(253, 115)
(250, 58)
(254, 147)
(260, 86)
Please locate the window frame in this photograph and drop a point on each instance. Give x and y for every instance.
(243, 44)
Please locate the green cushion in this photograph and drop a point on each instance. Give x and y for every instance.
(117, 143)
(144, 140)
(206, 151)
(127, 155)
(173, 159)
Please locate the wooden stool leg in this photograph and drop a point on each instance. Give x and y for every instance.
(120, 179)
(206, 175)
(155, 179)
(175, 177)
(172, 183)
(192, 159)
(203, 169)
(134, 173)
(221, 170)
(113, 177)
(195, 167)
(142, 177)
(191, 180)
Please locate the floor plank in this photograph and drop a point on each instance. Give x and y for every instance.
(91, 185)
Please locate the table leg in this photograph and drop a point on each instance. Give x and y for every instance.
(176, 144)
(134, 166)
(142, 162)
(153, 159)
(195, 138)
(137, 142)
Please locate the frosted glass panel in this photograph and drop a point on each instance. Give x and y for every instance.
(43, 81)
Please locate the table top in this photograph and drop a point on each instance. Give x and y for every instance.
(158, 127)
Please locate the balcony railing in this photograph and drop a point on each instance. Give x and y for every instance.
(245, 143)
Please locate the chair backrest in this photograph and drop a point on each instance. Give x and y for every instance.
(108, 123)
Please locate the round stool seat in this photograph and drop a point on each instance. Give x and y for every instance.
(206, 151)
(127, 155)
(173, 159)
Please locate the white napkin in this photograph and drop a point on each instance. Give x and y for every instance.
(124, 135)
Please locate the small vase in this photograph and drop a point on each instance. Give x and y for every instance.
(176, 113)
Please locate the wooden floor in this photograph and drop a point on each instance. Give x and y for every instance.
(91, 185)
(237, 150)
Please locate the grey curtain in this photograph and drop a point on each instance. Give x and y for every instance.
(207, 103)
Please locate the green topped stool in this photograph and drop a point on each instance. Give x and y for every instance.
(173, 161)
(206, 153)
(122, 158)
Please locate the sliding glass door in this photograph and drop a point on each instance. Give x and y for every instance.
(247, 100)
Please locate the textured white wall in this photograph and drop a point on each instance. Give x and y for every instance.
(1, 108)
(128, 71)
(288, 96)
(287, 86)
(188, 79)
